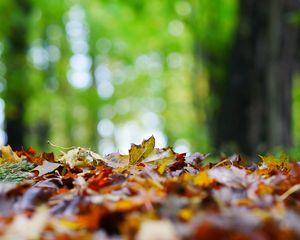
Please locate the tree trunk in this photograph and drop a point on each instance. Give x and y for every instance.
(16, 87)
(283, 42)
(256, 106)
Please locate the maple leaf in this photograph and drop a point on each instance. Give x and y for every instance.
(138, 153)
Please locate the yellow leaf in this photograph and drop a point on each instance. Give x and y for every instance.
(263, 189)
(124, 205)
(138, 153)
(268, 159)
(68, 224)
(185, 214)
(7, 155)
(203, 179)
(242, 202)
(162, 167)
(262, 214)
(284, 160)
(272, 161)
(186, 177)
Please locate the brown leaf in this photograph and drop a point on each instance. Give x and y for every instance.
(48, 156)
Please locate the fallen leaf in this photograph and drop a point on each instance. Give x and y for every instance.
(116, 160)
(185, 214)
(100, 178)
(30, 155)
(232, 177)
(151, 193)
(138, 153)
(7, 155)
(281, 163)
(23, 227)
(81, 157)
(46, 167)
(263, 189)
(157, 230)
(48, 156)
(202, 179)
(179, 163)
(196, 158)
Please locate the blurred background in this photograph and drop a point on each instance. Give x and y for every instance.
(200, 75)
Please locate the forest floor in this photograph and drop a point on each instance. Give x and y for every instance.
(149, 194)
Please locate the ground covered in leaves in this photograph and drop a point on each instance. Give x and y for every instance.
(150, 193)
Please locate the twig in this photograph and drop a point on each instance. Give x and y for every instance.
(293, 189)
(54, 145)
(220, 163)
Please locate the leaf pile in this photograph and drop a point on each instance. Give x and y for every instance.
(149, 194)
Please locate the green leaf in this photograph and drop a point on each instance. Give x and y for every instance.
(138, 153)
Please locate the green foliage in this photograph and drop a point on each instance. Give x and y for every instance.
(294, 18)
(147, 52)
(144, 47)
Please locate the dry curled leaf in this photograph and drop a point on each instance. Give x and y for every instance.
(80, 157)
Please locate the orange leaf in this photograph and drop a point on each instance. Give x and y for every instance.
(101, 179)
